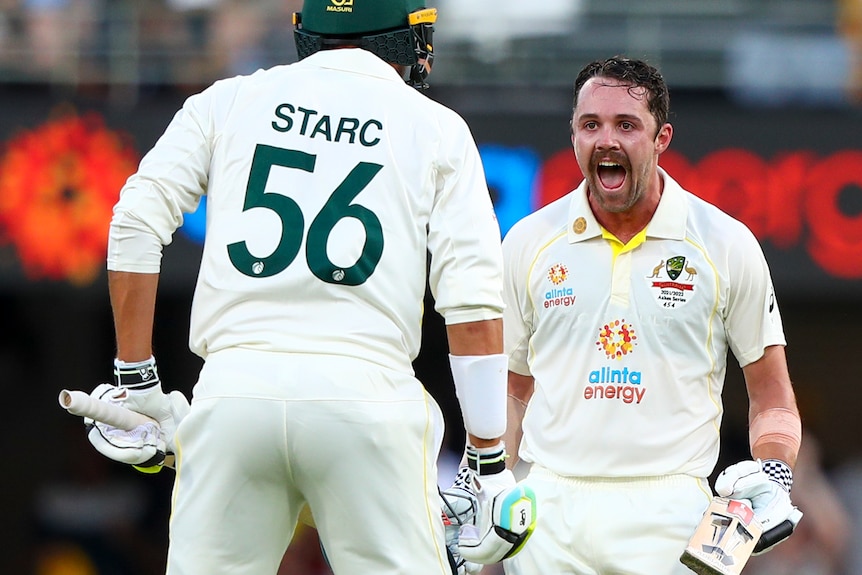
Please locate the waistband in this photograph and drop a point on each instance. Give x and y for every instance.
(671, 480)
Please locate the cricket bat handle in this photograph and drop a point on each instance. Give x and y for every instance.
(774, 535)
(80, 403)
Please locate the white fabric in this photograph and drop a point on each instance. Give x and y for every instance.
(269, 431)
(429, 195)
(637, 526)
(629, 366)
(480, 384)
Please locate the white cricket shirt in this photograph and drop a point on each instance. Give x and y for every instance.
(328, 183)
(628, 345)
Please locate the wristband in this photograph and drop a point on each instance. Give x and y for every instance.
(779, 472)
(487, 460)
(137, 375)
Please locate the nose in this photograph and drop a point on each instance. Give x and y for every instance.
(606, 139)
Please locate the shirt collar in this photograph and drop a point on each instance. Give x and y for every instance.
(668, 222)
(354, 60)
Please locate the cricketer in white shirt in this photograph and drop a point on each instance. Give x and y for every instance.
(627, 346)
(328, 182)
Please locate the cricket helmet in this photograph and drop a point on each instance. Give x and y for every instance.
(397, 31)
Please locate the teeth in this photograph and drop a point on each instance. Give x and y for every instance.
(609, 164)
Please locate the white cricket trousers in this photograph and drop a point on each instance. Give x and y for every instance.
(609, 526)
(268, 432)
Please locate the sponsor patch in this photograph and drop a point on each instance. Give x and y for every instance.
(617, 338)
(558, 296)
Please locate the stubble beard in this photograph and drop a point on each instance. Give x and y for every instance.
(623, 200)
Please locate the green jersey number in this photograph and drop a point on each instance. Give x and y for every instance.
(338, 206)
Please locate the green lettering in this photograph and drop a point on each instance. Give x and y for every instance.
(288, 121)
(365, 142)
(305, 115)
(344, 128)
(322, 127)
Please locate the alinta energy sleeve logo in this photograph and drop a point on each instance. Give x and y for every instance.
(562, 295)
(616, 340)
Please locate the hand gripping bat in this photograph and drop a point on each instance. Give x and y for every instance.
(80, 403)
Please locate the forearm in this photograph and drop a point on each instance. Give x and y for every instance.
(514, 414)
(773, 417)
(133, 302)
(775, 433)
(476, 339)
(520, 390)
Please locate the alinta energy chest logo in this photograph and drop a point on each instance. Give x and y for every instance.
(617, 339)
(562, 295)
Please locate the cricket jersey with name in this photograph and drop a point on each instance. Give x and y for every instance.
(322, 209)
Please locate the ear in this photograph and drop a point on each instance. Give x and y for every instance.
(663, 138)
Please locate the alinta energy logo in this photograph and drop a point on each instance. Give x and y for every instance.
(617, 339)
(556, 296)
(340, 6)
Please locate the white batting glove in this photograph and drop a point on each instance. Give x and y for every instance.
(141, 446)
(138, 388)
(766, 484)
(506, 514)
(459, 506)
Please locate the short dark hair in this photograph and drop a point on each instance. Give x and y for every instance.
(637, 74)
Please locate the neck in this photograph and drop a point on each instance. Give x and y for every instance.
(627, 224)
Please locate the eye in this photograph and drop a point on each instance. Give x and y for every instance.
(590, 125)
(627, 126)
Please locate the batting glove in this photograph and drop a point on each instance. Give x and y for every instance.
(459, 506)
(138, 388)
(506, 513)
(766, 484)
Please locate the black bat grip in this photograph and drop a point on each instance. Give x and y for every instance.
(769, 538)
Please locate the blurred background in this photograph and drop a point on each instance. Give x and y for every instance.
(766, 102)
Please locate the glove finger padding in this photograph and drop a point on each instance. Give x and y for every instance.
(141, 446)
(459, 506)
(770, 500)
(505, 520)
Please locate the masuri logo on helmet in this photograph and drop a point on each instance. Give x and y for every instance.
(397, 31)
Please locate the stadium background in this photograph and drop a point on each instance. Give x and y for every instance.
(767, 126)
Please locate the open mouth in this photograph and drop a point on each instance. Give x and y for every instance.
(611, 174)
